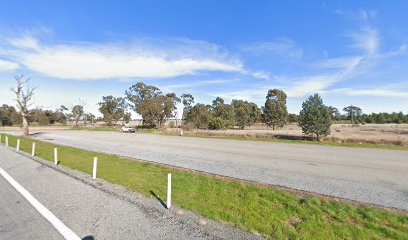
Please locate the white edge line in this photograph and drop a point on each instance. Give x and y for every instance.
(47, 214)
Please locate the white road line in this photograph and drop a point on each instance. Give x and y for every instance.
(47, 214)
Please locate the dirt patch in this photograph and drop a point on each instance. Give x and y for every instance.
(294, 221)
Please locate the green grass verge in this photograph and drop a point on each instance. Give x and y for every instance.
(147, 130)
(95, 128)
(274, 213)
(328, 143)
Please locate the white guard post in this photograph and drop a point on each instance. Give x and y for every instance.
(55, 156)
(168, 204)
(95, 163)
(33, 150)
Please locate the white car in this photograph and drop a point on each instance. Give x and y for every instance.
(128, 129)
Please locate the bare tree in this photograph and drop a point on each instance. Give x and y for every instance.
(23, 99)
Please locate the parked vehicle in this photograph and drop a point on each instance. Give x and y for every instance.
(128, 129)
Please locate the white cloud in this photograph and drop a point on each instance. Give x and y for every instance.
(337, 63)
(284, 46)
(344, 68)
(256, 94)
(261, 75)
(89, 61)
(366, 39)
(378, 92)
(363, 14)
(25, 42)
(172, 87)
(7, 65)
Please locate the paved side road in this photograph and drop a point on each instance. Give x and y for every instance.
(365, 175)
(91, 209)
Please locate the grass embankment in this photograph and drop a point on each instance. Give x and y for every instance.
(326, 143)
(271, 212)
(95, 128)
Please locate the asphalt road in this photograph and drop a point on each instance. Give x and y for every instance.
(365, 175)
(93, 209)
(19, 220)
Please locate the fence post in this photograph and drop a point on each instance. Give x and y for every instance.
(7, 141)
(55, 156)
(18, 145)
(33, 150)
(95, 163)
(168, 191)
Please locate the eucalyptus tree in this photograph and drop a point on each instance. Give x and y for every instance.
(275, 111)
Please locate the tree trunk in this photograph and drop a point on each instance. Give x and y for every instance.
(26, 130)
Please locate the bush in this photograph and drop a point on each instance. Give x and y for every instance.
(216, 123)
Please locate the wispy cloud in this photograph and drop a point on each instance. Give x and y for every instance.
(341, 69)
(8, 66)
(91, 61)
(362, 14)
(377, 92)
(172, 87)
(284, 47)
(255, 94)
(366, 39)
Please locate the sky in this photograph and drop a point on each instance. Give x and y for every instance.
(350, 52)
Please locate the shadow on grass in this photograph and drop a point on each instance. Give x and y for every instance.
(159, 199)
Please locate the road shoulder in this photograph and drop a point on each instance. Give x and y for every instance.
(104, 210)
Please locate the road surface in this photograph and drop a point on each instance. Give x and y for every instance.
(89, 211)
(19, 220)
(366, 175)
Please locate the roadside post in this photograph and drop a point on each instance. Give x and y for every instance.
(95, 163)
(55, 156)
(33, 150)
(7, 141)
(168, 204)
(18, 145)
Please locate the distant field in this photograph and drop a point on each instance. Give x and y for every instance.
(388, 134)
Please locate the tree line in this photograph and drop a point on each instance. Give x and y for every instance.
(9, 116)
(155, 108)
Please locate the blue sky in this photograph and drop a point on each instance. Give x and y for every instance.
(351, 52)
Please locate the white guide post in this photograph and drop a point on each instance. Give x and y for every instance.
(7, 141)
(55, 156)
(168, 204)
(18, 145)
(33, 150)
(95, 164)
